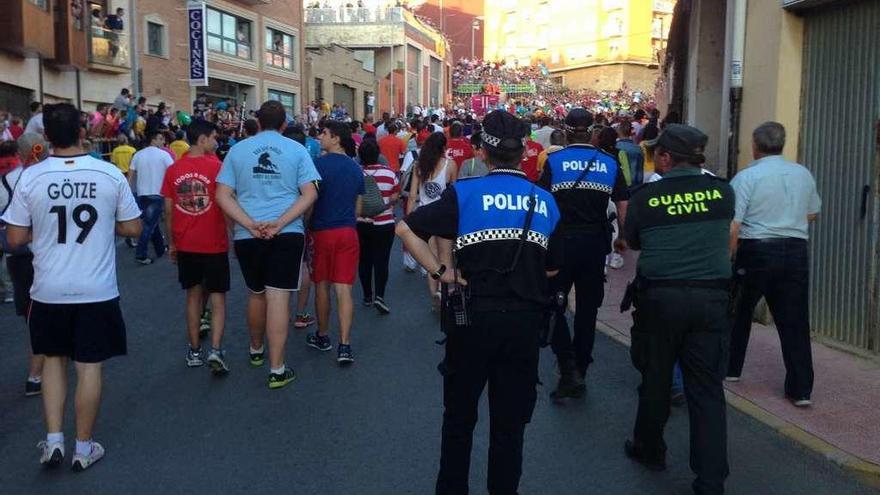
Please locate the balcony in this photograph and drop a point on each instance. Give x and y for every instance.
(664, 6)
(354, 15)
(108, 50)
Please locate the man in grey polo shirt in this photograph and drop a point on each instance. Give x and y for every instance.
(775, 202)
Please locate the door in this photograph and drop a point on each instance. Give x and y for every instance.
(344, 95)
(840, 111)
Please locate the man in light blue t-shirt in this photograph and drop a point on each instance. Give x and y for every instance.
(266, 185)
(775, 202)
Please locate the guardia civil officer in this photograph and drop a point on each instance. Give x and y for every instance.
(582, 178)
(681, 224)
(501, 225)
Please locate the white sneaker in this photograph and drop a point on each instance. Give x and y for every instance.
(83, 462)
(732, 379)
(217, 363)
(51, 455)
(802, 402)
(615, 261)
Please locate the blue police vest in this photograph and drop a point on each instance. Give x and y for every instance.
(494, 208)
(567, 164)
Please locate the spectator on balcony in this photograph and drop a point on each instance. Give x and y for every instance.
(115, 26)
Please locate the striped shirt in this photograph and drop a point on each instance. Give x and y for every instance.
(388, 184)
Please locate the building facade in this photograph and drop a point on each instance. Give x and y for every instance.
(255, 53)
(596, 44)
(58, 51)
(411, 60)
(733, 64)
(334, 73)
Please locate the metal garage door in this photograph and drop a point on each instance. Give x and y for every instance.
(839, 143)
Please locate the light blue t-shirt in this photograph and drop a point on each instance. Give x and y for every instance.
(266, 172)
(314, 147)
(774, 198)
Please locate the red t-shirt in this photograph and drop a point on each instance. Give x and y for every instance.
(392, 147)
(16, 131)
(459, 149)
(197, 223)
(530, 159)
(370, 128)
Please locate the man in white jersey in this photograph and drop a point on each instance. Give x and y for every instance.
(71, 205)
(146, 173)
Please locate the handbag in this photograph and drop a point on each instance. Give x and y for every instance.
(372, 203)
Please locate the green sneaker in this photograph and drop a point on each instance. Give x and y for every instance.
(278, 380)
(257, 358)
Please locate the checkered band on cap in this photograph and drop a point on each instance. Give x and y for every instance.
(494, 141)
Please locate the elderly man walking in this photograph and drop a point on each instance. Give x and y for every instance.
(775, 202)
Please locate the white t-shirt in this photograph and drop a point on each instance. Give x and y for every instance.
(72, 204)
(35, 124)
(150, 164)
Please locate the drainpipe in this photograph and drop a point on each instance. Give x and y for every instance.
(736, 83)
(134, 56)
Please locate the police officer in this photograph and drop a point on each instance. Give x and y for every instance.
(502, 227)
(582, 178)
(681, 224)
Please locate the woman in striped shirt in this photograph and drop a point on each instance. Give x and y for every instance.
(376, 234)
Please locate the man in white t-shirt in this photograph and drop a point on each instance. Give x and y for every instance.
(35, 124)
(71, 205)
(146, 173)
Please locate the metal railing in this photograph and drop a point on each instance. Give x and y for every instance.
(353, 15)
(108, 47)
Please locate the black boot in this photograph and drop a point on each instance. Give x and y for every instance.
(571, 382)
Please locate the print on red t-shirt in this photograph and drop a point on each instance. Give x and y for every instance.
(459, 149)
(197, 223)
(530, 159)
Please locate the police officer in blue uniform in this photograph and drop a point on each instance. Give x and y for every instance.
(582, 178)
(503, 228)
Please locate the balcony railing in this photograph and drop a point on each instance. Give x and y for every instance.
(354, 15)
(108, 47)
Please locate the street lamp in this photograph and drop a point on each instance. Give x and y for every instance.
(475, 26)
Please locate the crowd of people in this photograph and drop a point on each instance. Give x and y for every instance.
(315, 206)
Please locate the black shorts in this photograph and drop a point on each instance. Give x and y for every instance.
(211, 271)
(273, 263)
(21, 271)
(87, 332)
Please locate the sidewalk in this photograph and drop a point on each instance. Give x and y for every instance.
(843, 422)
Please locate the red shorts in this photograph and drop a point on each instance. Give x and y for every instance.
(336, 253)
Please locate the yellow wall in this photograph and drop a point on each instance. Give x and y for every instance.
(566, 33)
(772, 68)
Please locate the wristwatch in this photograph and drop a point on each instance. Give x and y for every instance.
(439, 273)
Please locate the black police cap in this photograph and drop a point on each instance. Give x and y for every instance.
(684, 140)
(578, 119)
(503, 131)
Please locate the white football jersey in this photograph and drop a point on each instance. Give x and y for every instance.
(72, 204)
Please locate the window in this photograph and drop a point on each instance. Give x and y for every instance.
(279, 49)
(155, 39)
(286, 99)
(319, 88)
(228, 34)
(435, 82)
(43, 4)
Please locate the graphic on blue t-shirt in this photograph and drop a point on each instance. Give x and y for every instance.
(265, 165)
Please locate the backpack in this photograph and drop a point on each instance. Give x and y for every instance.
(4, 243)
(372, 203)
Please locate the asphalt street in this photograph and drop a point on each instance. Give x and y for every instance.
(372, 428)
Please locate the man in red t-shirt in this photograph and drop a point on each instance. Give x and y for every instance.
(458, 148)
(199, 240)
(530, 159)
(392, 147)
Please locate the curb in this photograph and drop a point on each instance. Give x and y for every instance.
(867, 472)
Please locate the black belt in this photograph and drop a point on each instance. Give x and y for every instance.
(774, 240)
(720, 283)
